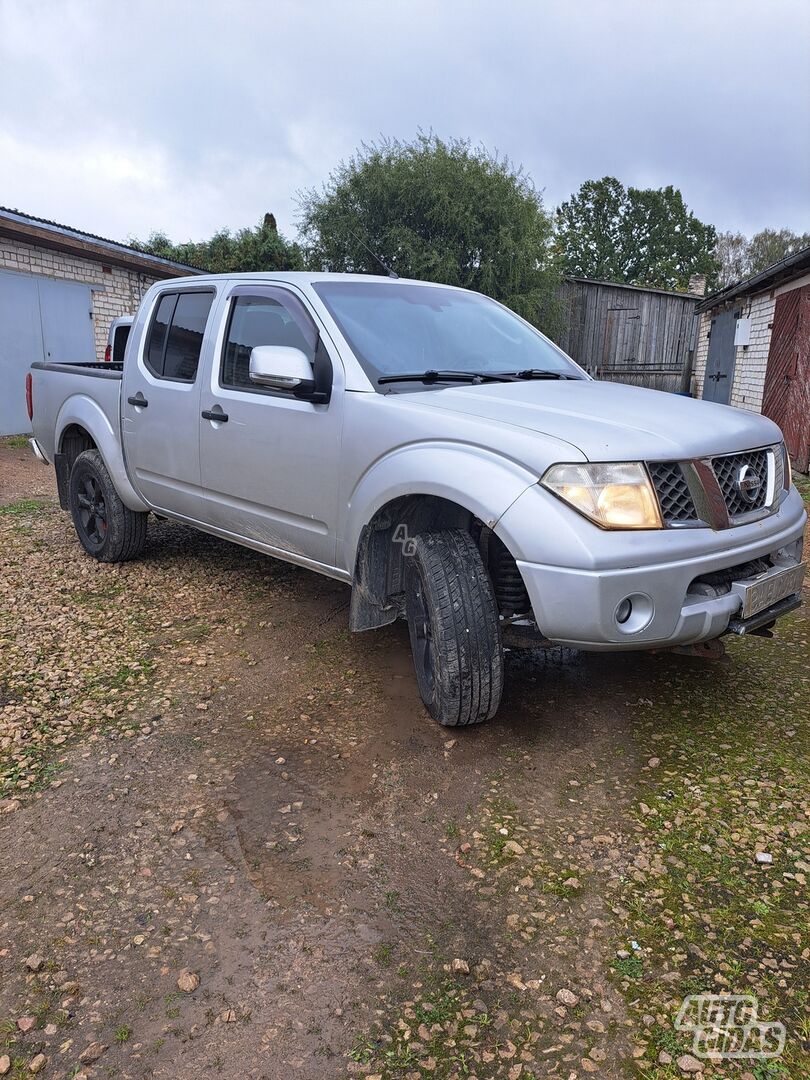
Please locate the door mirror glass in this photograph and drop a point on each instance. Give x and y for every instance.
(281, 367)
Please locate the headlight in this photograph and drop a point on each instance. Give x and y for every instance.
(614, 496)
(787, 471)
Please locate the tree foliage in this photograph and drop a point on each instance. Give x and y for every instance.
(740, 257)
(639, 236)
(732, 255)
(437, 211)
(259, 248)
(770, 246)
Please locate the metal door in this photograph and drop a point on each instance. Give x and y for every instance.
(720, 361)
(66, 308)
(786, 399)
(20, 345)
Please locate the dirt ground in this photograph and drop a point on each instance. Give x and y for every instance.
(233, 844)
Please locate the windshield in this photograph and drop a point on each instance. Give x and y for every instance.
(399, 328)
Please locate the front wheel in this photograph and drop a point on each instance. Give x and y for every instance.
(108, 530)
(454, 628)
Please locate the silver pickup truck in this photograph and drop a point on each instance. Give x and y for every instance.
(433, 450)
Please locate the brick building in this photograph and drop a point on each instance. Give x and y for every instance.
(60, 289)
(753, 349)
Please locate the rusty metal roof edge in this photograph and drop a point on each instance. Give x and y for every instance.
(799, 260)
(101, 242)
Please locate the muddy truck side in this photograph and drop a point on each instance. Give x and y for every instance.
(438, 454)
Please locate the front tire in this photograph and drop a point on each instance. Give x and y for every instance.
(454, 628)
(107, 530)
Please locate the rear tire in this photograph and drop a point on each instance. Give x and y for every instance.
(107, 530)
(454, 628)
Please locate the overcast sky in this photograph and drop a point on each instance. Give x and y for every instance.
(184, 117)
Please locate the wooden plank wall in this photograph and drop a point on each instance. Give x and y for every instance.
(629, 335)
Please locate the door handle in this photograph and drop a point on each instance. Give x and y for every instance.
(210, 414)
(139, 401)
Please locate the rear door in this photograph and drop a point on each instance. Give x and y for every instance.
(161, 402)
(270, 470)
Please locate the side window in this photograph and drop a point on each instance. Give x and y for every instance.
(261, 320)
(184, 341)
(176, 334)
(156, 342)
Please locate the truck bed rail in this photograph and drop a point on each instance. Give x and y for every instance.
(98, 369)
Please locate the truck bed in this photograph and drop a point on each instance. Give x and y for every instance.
(81, 393)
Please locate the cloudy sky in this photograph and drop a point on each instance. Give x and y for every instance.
(187, 116)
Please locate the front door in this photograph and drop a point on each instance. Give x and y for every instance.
(270, 470)
(161, 402)
(786, 399)
(720, 361)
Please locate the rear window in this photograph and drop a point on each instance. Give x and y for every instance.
(176, 334)
(120, 343)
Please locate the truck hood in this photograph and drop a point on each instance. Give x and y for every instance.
(609, 421)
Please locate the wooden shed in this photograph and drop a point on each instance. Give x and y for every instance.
(754, 349)
(629, 334)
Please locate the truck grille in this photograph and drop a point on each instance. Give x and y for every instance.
(673, 492)
(675, 497)
(726, 469)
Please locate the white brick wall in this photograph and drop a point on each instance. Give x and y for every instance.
(115, 291)
(750, 362)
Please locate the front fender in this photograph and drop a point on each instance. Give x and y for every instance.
(482, 482)
(83, 411)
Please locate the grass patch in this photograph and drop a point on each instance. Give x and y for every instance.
(802, 483)
(383, 955)
(734, 749)
(22, 506)
(629, 967)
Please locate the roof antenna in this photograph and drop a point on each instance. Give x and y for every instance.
(374, 255)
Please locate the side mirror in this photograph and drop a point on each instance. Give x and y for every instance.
(282, 367)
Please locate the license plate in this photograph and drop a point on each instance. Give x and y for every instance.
(768, 588)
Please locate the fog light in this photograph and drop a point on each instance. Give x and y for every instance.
(624, 610)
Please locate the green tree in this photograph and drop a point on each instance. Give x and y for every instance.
(640, 236)
(733, 255)
(770, 246)
(259, 248)
(439, 211)
(740, 257)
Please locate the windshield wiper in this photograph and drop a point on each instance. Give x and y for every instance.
(541, 373)
(446, 376)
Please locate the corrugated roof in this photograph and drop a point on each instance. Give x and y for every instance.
(792, 266)
(102, 243)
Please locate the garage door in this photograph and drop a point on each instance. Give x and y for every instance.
(40, 319)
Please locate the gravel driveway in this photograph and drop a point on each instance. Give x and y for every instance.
(232, 844)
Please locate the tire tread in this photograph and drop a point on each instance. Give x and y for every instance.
(469, 656)
(126, 529)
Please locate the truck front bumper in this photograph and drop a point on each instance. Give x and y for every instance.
(582, 606)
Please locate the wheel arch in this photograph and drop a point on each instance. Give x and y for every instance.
(83, 425)
(436, 485)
